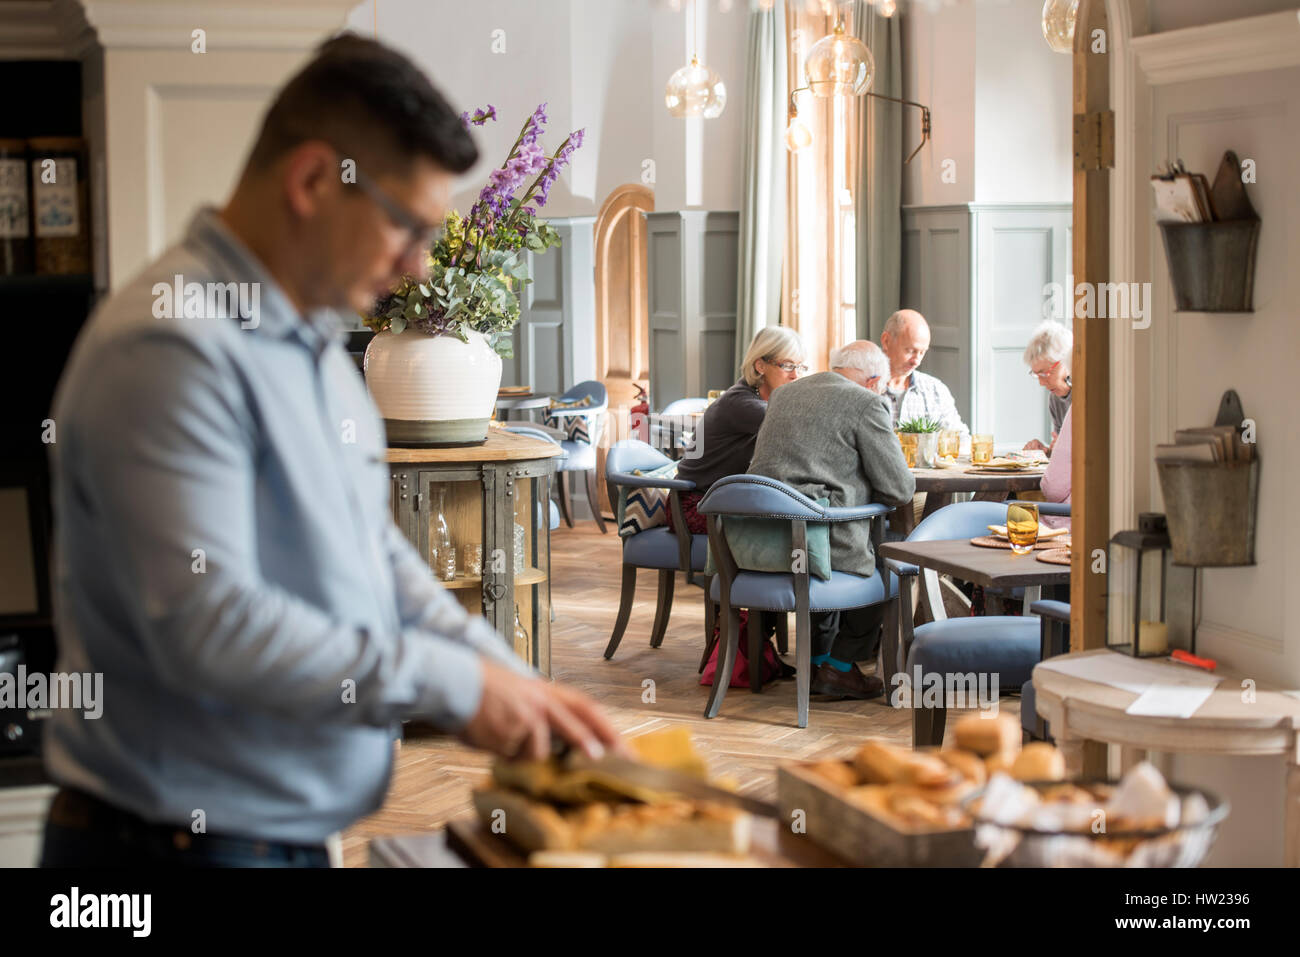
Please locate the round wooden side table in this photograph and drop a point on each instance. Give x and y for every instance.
(1080, 711)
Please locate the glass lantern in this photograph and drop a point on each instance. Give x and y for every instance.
(839, 65)
(695, 90)
(1141, 579)
(1059, 18)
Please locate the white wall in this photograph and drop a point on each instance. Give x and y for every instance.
(939, 71)
(1000, 100)
(601, 65)
(1023, 105)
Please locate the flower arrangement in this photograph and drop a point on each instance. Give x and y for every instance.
(477, 266)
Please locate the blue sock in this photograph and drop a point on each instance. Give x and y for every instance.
(834, 662)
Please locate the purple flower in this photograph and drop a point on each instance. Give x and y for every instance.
(480, 116)
(556, 165)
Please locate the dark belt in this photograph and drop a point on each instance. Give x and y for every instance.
(76, 810)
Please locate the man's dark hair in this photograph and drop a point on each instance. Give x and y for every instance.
(369, 100)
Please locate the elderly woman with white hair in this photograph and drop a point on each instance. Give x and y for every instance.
(1048, 357)
(725, 443)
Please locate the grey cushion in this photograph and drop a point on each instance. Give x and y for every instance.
(1005, 644)
(657, 548)
(772, 591)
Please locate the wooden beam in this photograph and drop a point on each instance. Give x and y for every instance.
(1090, 476)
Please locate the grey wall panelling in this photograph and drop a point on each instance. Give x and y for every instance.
(977, 273)
(692, 260)
(555, 341)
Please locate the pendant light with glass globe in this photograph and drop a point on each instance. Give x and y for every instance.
(695, 90)
(840, 64)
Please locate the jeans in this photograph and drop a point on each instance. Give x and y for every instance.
(850, 635)
(83, 831)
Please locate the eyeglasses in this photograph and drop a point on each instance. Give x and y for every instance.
(1046, 372)
(422, 235)
(788, 366)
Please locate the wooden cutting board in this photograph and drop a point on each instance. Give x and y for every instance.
(471, 839)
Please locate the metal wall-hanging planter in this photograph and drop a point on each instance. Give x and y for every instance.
(1212, 264)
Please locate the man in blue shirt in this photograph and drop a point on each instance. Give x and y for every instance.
(226, 551)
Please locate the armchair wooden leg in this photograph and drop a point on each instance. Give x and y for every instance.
(624, 609)
(927, 725)
(889, 643)
(803, 663)
(663, 606)
(730, 640)
(566, 505)
(755, 651)
(710, 623)
(782, 633)
(592, 501)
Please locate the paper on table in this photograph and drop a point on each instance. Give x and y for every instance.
(1164, 689)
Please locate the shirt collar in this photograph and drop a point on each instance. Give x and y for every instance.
(212, 241)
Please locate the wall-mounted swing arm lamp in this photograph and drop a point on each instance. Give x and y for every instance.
(841, 65)
(798, 136)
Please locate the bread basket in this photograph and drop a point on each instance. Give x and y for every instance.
(1014, 845)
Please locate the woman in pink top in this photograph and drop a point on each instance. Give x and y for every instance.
(1056, 480)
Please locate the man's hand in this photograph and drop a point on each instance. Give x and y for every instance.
(1034, 445)
(517, 715)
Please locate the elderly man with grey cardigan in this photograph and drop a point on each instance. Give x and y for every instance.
(830, 435)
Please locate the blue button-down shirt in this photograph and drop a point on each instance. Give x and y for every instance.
(227, 558)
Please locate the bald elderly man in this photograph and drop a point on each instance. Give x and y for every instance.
(909, 392)
(828, 435)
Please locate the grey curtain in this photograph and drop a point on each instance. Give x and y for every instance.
(762, 209)
(879, 194)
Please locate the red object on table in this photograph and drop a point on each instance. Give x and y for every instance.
(1187, 658)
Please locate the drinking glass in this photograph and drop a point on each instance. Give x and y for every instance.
(981, 448)
(474, 560)
(908, 442)
(1022, 527)
(949, 443)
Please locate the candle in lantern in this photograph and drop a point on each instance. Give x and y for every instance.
(1153, 638)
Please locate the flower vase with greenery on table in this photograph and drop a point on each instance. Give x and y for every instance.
(434, 366)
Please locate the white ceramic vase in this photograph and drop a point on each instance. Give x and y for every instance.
(433, 391)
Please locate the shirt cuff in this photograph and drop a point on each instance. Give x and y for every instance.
(453, 684)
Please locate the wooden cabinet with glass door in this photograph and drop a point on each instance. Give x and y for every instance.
(480, 516)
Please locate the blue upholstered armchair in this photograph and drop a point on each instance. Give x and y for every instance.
(666, 551)
(734, 588)
(1008, 645)
(584, 425)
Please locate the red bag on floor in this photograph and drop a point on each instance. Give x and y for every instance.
(770, 668)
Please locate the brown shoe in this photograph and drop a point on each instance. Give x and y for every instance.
(829, 680)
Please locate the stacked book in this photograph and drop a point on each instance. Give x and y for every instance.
(1213, 443)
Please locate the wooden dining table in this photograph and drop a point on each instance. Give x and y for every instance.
(940, 485)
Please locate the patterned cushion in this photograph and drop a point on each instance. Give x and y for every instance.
(643, 508)
(577, 428)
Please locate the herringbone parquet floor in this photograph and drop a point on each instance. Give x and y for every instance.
(434, 774)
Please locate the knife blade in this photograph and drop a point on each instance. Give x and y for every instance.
(663, 779)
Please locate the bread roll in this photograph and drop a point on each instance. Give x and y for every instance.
(1039, 761)
(879, 763)
(566, 859)
(1002, 761)
(839, 773)
(966, 763)
(987, 735)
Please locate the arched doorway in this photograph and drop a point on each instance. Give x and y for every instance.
(622, 305)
